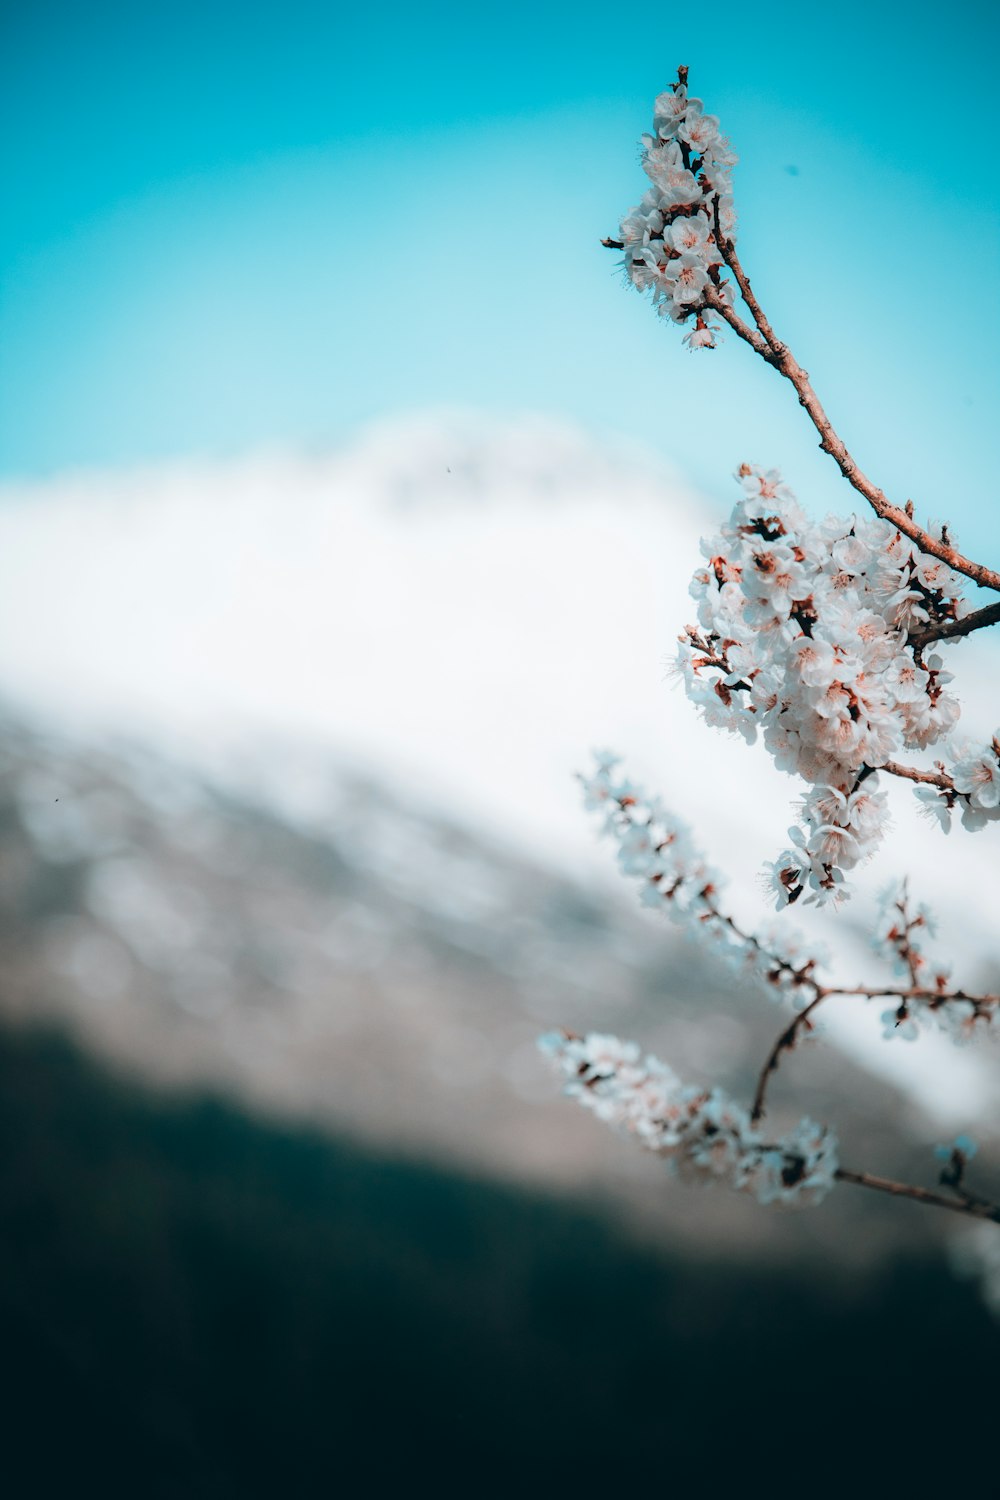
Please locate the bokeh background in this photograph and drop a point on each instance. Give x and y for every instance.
(346, 500)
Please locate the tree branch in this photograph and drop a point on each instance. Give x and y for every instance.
(728, 252)
(785, 1042)
(948, 629)
(975, 1207)
(983, 1005)
(776, 353)
(714, 299)
(910, 773)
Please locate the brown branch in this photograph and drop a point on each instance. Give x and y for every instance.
(919, 992)
(770, 348)
(977, 1208)
(765, 342)
(983, 1005)
(800, 975)
(949, 629)
(714, 299)
(785, 1042)
(709, 657)
(910, 773)
(901, 937)
(728, 253)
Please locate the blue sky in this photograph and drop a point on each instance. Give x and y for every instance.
(229, 226)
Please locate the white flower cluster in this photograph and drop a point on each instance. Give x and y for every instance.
(669, 239)
(705, 1136)
(804, 635)
(656, 849)
(899, 934)
(975, 785)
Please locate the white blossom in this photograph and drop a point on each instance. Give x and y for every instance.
(704, 1135)
(976, 774)
(669, 239)
(656, 849)
(803, 637)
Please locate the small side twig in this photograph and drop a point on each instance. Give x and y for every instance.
(973, 1206)
(948, 630)
(983, 1006)
(911, 773)
(785, 1043)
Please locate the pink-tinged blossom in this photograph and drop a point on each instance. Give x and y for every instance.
(669, 240)
(704, 335)
(976, 774)
(689, 235)
(689, 278)
(803, 637)
(972, 785)
(674, 183)
(669, 110)
(700, 132)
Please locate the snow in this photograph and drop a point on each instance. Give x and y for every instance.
(462, 605)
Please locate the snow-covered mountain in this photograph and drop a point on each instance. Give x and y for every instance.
(457, 607)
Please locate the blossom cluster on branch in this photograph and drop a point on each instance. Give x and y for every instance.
(818, 636)
(656, 849)
(926, 995)
(669, 238)
(806, 635)
(706, 1136)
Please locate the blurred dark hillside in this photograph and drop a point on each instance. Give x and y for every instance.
(193, 1304)
(299, 1211)
(380, 971)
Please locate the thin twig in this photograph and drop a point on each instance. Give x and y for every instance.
(902, 942)
(765, 342)
(949, 629)
(975, 1207)
(785, 1042)
(983, 1006)
(714, 299)
(937, 998)
(910, 773)
(728, 252)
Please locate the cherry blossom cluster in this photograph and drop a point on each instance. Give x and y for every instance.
(656, 849)
(928, 996)
(973, 772)
(819, 637)
(705, 1136)
(805, 636)
(670, 238)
